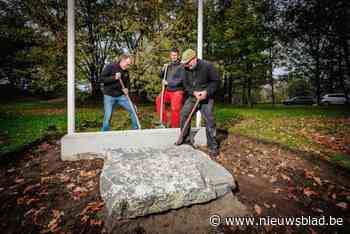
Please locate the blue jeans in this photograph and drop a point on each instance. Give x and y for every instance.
(109, 102)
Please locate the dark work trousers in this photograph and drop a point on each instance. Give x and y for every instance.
(206, 107)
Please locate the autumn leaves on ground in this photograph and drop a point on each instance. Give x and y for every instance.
(288, 162)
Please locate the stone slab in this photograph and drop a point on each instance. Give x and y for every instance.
(142, 181)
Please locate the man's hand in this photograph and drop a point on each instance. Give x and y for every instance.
(165, 66)
(125, 91)
(117, 76)
(196, 94)
(200, 95)
(203, 94)
(164, 82)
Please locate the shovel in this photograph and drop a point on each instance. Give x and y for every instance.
(188, 121)
(161, 125)
(129, 100)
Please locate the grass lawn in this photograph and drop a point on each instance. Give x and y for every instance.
(322, 131)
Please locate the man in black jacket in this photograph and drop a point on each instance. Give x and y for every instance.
(200, 80)
(173, 92)
(112, 91)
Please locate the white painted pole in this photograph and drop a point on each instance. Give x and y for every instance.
(199, 48)
(70, 68)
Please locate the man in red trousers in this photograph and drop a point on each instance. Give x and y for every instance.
(173, 92)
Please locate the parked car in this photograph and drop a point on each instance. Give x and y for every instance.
(84, 87)
(299, 100)
(333, 99)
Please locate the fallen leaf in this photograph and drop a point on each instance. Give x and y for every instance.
(64, 178)
(69, 186)
(30, 201)
(11, 170)
(46, 179)
(53, 224)
(90, 184)
(92, 207)
(318, 180)
(309, 174)
(95, 222)
(273, 179)
(43, 193)
(79, 189)
(30, 187)
(36, 213)
(20, 200)
(308, 192)
(285, 177)
(85, 218)
(277, 190)
(343, 205)
(88, 173)
(29, 212)
(317, 210)
(19, 180)
(257, 209)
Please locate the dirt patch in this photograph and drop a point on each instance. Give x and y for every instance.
(275, 182)
(41, 194)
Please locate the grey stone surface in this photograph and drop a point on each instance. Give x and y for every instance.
(78, 145)
(141, 181)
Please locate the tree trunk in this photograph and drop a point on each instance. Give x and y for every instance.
(317, 75)
(244, 99)
(225, 89)
(347, 64)
(271, 79)
(229, 90)
(249, 89)
(342, 77)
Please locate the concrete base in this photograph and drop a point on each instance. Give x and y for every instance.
(93, 144)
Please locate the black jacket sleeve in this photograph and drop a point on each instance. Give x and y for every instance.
(107, 75)
(214, 80)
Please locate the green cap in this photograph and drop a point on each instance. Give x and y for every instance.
(187, 55)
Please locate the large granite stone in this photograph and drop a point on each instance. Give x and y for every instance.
(141, 181)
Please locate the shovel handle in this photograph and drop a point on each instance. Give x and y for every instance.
(130, 102)
(162, 96)
(188, 121)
